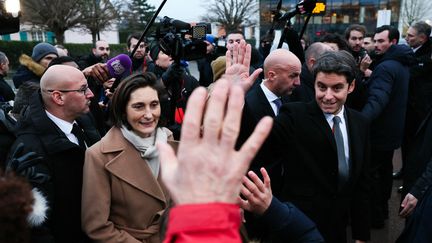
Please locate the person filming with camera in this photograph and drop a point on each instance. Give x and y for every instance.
(178, 84)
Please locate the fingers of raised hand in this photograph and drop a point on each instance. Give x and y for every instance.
(257, 181)
(231, 123)
(214, 118)
(253, 143)
(193, 117)
(169, 166)
(266, 178)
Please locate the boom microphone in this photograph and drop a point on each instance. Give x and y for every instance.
(302, 7)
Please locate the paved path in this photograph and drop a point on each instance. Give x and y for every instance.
(394, 225)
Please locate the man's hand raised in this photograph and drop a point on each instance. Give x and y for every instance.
(237, 65)
(207, 168)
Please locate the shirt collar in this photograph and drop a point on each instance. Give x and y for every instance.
(268, 94)
(329, 117)
(65, 126)
(416, 49)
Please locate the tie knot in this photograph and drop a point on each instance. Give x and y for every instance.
(76, 128)
(278, 102)
(336, 119)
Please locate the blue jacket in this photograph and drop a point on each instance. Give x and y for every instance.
(286, 223)
(387, 97)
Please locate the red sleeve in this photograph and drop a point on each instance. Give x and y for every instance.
(213, 222)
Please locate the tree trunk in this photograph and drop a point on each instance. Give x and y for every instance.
(93, 33)
(59, 35)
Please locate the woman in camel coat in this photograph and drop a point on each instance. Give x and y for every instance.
(123, 196)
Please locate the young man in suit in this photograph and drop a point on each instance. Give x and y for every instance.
(325, 159)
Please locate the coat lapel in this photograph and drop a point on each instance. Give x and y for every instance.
(258, 101)
(319, 120)
(128, 166)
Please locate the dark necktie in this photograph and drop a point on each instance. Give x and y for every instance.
(77, 131)
(342, 162)
(278, 104)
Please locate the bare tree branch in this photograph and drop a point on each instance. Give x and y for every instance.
(415, 10)
(231, 14)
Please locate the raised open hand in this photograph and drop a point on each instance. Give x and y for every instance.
(238, 64)
(207, 168)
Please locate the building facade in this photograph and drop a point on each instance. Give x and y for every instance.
(337, 16)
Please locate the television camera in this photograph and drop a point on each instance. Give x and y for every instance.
(182, 40)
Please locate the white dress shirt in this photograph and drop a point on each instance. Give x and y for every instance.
(270, 97)
(65, 127)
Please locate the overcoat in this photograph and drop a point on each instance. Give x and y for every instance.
(121, 200)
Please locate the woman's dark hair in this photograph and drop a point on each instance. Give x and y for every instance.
(339, 62)
(123, 92)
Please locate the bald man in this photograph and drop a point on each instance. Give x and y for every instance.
(306, 91)
(281, 76)
(56, 127)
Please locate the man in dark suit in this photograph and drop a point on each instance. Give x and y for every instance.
(420, 85)
(281, 75)
(324, 149)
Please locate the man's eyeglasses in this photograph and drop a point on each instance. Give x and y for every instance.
(84, 90)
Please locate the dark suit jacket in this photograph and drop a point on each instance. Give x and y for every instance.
(302, 137)
(255, 108)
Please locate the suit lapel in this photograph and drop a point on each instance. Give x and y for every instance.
(318, 118)
(258, 101)
(128, 166)
(354, 141)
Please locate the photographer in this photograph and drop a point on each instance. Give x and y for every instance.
(204, 67)
(178, 84)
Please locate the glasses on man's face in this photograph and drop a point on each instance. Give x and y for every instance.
(84, 90)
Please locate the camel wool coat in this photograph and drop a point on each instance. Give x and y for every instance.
(121, 199)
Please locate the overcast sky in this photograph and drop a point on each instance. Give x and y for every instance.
(185, 10)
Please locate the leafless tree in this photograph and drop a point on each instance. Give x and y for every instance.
(415, 10)
(231, 14)
(98, 15)
(52, 15)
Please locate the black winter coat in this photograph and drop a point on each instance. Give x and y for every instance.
(387, 97)
(61, 167)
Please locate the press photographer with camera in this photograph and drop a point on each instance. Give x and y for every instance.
(178, 84)
(204, 64)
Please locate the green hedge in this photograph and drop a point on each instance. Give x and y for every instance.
(14, 49)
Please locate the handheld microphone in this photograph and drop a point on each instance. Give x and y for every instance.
(302, 7)
(118, 68)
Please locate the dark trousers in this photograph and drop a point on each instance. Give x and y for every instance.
(381, 171)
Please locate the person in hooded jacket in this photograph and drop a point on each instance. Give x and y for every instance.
(32, 68)
(385, 109)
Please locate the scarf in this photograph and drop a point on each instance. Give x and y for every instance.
(146, 146)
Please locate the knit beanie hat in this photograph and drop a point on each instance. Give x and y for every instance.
(154, 50)
(218, 67)
(210, 38)
(41, 50)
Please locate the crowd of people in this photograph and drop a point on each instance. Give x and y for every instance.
(268, 144)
